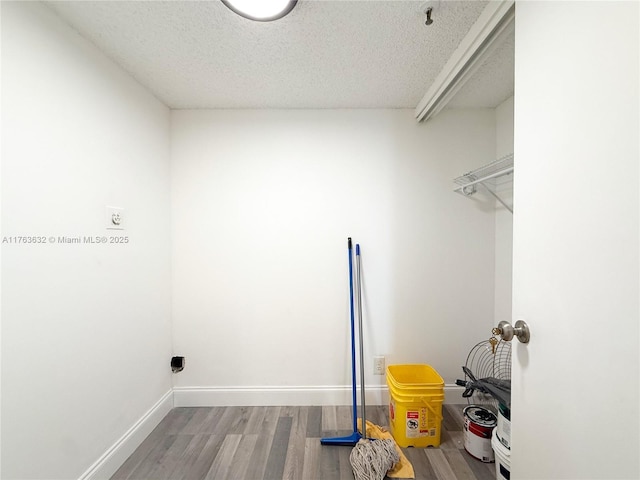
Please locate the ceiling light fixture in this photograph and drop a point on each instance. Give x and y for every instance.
(261, 10)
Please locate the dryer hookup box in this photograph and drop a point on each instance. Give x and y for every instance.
(177, 364)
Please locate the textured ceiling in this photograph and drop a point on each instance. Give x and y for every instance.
(324, 54)
(493, 82)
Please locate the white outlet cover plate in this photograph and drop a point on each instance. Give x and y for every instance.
(115, 218)
(378, 365)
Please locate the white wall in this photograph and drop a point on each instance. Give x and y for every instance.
(263, 203)
(504, 128)
(85, 328)
(575, 386)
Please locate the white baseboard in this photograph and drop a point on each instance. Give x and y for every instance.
(453, 395)
(290, 395)
(267, 396)
(116, 455)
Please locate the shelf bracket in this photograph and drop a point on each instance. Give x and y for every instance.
(497, 197)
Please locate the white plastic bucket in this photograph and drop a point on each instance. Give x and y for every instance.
(479, 423)
(503, 430)
(503, 458)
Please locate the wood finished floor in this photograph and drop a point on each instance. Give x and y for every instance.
(269, 443)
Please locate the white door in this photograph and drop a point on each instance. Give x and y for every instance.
(576, 243)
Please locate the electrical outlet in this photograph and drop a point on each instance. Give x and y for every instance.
(115, 218)
(378, 365)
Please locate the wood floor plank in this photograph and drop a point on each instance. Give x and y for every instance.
(295, 449)
(171, 459)
(440, 464)
(190, 456)
(215, 423)
(459, 465)
(270, 422)
(378, 415)
(145, 467)
(240, 417)
(454, 416)
(451, 440)
(314, 422)
(344, 417)
(421, 465)
(181, 417)
(140, 454)
(200, 417)
(240, 463)
(259, 457)
(311, 468)
(225, 419)
(449, 421)
(288, 410)
(492, 468)
(124, 471)
(346, 472)
(479, 469)
(329, 418)
(277, 455)
(198, 468)
(329, 461)
(337, 421)
(255, 420)
(222, 463)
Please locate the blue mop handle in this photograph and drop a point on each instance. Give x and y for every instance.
(353, 339)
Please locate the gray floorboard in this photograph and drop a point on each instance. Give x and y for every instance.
(278, 453)
(282, 443)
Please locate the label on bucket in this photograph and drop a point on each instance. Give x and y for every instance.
(503, 430)
(420, 424)
(477, 440)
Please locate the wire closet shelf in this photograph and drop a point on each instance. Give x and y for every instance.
(490, 176)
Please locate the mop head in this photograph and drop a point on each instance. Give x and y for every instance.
(403, 468)
(372, 459)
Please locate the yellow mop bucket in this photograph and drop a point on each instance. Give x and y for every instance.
(416, 394)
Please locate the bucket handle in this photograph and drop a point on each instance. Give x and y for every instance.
(436, 414)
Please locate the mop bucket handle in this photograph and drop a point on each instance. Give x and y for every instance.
(422, 400)
(430, 407)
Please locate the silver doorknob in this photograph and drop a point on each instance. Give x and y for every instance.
(508, 331)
